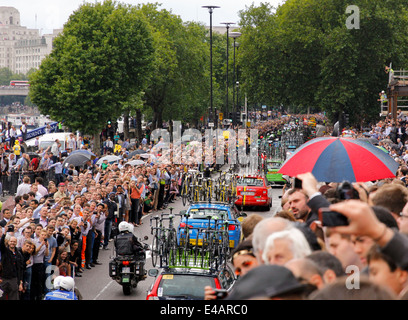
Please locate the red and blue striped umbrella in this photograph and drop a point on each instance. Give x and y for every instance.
(332, 159)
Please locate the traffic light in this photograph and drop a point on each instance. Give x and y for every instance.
(346, 119)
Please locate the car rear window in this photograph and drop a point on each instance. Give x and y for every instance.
(250, 182)
(203, 213)
(180, 285)
(274, 165)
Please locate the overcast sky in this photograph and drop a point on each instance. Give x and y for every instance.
(52, 14)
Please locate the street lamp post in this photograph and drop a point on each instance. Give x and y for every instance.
(210, 10)
(234, 35)
(227, 24)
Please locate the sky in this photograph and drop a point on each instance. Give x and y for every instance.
(47, 15)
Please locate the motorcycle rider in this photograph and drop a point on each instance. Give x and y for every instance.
(64, 289)
(126, 243)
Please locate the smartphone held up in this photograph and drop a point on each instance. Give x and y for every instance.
(330, 218)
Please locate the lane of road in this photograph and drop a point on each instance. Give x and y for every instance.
(95, 284)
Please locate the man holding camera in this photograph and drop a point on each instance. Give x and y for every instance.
(13, 267)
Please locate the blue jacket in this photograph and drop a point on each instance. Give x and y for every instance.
(60, 295)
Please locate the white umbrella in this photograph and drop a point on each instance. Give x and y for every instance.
(135, 162)
(147, 155)
(110, 158)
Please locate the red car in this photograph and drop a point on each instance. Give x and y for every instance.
(253, 191)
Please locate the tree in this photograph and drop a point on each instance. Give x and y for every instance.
(305, 55)
(177, 83)
(102, 57)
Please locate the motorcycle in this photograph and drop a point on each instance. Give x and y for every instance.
(128, 270)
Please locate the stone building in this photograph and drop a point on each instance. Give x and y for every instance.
(21, 49)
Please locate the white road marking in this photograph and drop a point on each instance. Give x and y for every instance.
(106, 287)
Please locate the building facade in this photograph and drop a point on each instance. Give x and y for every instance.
(21, 49)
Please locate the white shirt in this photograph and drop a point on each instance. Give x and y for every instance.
(55, 149)
(23, 189)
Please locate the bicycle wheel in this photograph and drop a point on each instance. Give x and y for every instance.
(187, 249)
(222, 195)
(172, 247)
(196, 251)
(203, 251)
(184, 199)
(155, 250)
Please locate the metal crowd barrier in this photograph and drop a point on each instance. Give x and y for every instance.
(10, 183)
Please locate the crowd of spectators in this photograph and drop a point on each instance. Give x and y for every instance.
(65, 222)
(294, 256)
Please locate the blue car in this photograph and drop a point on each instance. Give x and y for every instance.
(197, 216)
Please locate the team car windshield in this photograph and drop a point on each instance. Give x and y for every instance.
(274, 165)
(250, 182)
(202, 213)
(187, 286)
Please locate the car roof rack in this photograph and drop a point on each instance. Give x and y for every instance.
(212, 202)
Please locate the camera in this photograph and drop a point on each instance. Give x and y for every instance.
(345, 191)
(330, 218)
(297, 183)
(221, 293)
(10, 228)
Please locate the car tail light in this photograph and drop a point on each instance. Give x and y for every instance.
(217, 283)
(232, 227)
(125, 263)
(183, 225)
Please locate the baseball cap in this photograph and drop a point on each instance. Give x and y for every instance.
(266, 281)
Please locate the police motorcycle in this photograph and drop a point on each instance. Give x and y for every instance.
(127, 267)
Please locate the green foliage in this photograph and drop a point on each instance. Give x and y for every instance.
(6, 75)
(302, 54)
(177, 82)
(101, 58)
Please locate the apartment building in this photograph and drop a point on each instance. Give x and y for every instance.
(21, 49)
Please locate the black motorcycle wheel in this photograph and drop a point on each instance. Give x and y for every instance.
(127, 289)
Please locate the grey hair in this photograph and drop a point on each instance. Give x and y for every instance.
(266, 227)
(299, 245)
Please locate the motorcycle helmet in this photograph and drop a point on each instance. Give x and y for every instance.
(130, 227)
(67, 283)
(123, 226)
(57, 282)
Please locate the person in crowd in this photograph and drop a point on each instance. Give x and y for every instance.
(12, 261)
(282, 246)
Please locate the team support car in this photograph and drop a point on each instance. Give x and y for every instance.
(198, 216)
(187, 283)
(272, 175)
(253, 191)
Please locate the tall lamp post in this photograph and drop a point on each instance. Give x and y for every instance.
(227, 24)
(210, 10)
(234, 35)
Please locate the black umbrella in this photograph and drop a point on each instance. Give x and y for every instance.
(77, 159)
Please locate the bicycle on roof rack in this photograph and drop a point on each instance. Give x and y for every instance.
(209, 249)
